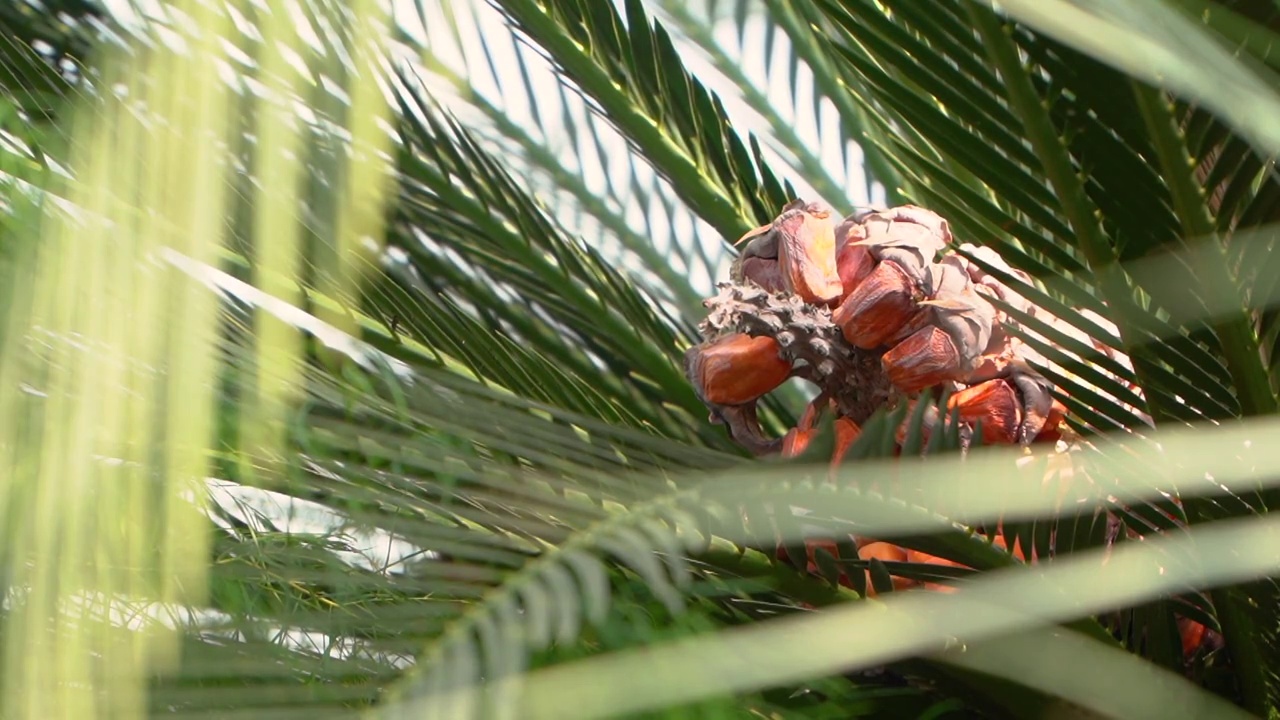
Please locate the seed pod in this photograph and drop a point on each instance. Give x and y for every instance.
(736, 369)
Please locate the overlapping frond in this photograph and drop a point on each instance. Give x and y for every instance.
(489, 458)
(414, 508)
(629, 66)
(478, 253)
(585, 172)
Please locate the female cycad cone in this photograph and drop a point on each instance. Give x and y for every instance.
(866, 311)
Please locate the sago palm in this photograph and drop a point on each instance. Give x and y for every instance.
(343, 365)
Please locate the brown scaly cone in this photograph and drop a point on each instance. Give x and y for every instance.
(928, 322)
(810, 341)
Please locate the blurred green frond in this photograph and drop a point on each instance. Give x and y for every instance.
(42, 53)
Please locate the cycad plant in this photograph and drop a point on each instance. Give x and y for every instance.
(343, 348)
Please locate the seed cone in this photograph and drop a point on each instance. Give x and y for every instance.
(808, 339)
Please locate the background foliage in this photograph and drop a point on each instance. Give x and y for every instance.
(341, 358)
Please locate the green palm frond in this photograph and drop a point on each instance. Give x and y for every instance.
(471, 236)
(417, 458)
(631, 69)
(541, 554)
(816, 166)
(480, 474)
(628, 213)
(831, 83)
